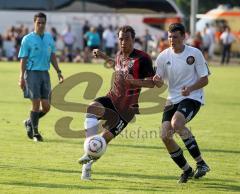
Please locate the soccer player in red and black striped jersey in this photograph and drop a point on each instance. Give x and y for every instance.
(133, 70)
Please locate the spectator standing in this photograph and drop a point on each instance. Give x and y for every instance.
(109, 39)
(93, 38)
(69, 39)
(146, 38)
(226, 38)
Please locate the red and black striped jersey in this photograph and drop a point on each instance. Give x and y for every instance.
(124, 95)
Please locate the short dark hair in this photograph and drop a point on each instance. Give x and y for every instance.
(177, 27)
(40, 15)
(127, 29)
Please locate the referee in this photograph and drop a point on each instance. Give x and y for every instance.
(36, 53)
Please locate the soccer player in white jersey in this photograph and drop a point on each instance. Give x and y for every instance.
(185, 71)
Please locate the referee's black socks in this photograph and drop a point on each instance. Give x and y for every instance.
(41, 114)
(34, 118)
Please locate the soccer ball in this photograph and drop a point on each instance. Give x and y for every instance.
(95, 146)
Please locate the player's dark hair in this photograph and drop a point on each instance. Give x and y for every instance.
(40, 15)
(127, 29)
(177, 27)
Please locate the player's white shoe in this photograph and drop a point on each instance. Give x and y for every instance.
(86, 171)
(86, 158)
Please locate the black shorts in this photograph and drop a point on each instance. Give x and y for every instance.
(114, 122)
(188, 107)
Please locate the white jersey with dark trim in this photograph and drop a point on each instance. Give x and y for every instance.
(182, 69)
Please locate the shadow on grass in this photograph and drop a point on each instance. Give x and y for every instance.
(59, 170)
(152, 186)
(79, 186)
(5, 166)
(52, 185)
(111, 174)
(223, 187)
(65, 141)
(221, 151)
(125, 181)
(134, 175)
(217, 180)
(163, 148)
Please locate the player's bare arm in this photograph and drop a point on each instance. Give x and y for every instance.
(147, 82)
(99, 54)
(21, 82)
(203, 81)
(56, 67)
(158, 81)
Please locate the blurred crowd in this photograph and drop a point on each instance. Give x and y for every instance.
(10, 42)
(105, 38)
(220, 41)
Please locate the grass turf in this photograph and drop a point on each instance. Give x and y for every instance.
(136, 161)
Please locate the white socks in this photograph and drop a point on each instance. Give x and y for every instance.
(91, 126)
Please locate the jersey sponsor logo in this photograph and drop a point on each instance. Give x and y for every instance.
(190, 60)
(131, 63)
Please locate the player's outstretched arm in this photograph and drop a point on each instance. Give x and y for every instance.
(147, 82)
(108, 61)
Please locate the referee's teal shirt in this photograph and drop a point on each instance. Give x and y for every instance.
(38, 50)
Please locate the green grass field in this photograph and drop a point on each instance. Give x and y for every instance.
(136, 161)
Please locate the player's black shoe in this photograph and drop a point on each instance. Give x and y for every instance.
(29, 129)
(37, 137)
(201, 170)
(186, 175)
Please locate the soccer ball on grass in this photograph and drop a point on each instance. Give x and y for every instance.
(95, 146)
